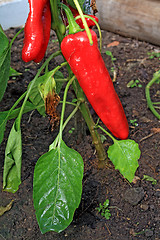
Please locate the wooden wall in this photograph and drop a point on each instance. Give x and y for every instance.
(132, 18)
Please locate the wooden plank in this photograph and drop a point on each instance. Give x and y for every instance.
(132, 18)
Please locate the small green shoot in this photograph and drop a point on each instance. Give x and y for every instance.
(103, 209)
(103, 138)
(54, 41)
(71, 130)
(134, 122)
(150, 179)
(13, 73)
(113, 68)
(109, 53)
(153, 55)
(26, 69)
(134, 83)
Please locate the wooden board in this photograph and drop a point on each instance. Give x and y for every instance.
(132, 18)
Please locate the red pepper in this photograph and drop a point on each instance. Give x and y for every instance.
(90, 23)
(89, 68)
(37, 31)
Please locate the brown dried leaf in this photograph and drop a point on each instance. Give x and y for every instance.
(155, 130)
(113, 44)
(5, 209)
(135, 179)
(94, 7)
(51, 103)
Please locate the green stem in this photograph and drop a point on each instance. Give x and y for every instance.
(156, 103)
(57, 68)
(16, 36)
(54, 144)
(73, 26)
(97, 25)
(89, 121)
(13, 107)
(114, 140)
(84, 21)
(61, 79)
(31, 85)
(148, 98)
(63, 109)
(69, 103)
(57, 24)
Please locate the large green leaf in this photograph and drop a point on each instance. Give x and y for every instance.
(124, 154)
(13, 159)
(5, 55)
(57, 188)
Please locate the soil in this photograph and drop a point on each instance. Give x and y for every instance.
(130, 220)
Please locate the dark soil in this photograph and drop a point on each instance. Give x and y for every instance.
(128, 221)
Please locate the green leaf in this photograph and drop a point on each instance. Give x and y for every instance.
(106, 203)
(35, 96)
(71, 3)
(109, 53)
(124, 155)
(5, 56)
(13, 73)
(13, 159)
(3, 121)
(107, 214)
(7, 115)
(58, 75)
(57, 188)
(150, 179)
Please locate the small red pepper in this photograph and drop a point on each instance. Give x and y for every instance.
(37, 31)
(89, 68)
(90, 23)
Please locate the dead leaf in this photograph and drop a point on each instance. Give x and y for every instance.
(94, 6)
(156, 130)
(51, 103)
(5, 209)
(135, 179)
(113, 44)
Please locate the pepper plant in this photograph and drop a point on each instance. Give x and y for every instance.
(58, 174)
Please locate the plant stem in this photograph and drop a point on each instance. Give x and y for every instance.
(148, 98)
(98, 27)
(54, 144)
(89, 121)
(114, 140)
(15, 36)
(63, 109)
(84, 21)
(57, 24)
(31, 85)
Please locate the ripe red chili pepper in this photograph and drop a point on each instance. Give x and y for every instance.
(89, 68)
(37, 30)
